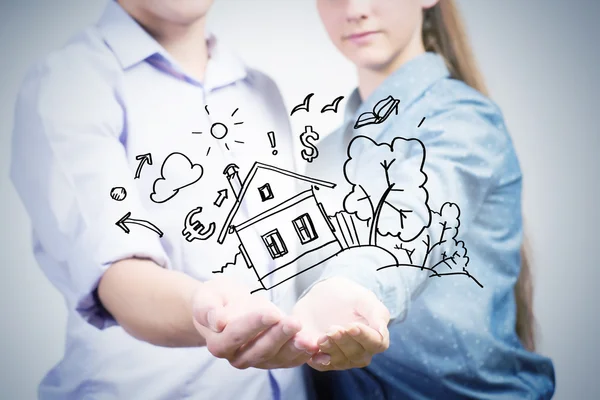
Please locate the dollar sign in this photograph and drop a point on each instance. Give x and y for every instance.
(310, 152)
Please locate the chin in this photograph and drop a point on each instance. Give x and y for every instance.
(371, 59)
(186, 11)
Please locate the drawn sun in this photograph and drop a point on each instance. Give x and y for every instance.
(219, 130)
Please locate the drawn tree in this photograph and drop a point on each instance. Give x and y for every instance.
(441, 244)
(388, 193)
(388, 187)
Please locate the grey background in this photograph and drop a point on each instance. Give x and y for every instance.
(539, 58)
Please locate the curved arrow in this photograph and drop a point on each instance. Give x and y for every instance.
(143, 158)
(126, 220)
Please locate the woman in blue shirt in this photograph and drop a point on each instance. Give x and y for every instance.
(466, 333)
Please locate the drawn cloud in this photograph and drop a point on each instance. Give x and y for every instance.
(176, 173)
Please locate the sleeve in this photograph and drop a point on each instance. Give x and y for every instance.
(440, 182)
(66, 158)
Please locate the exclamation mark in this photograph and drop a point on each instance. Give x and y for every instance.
(271, 135)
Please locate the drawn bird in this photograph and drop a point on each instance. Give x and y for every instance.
(304, 106)
(333, 106)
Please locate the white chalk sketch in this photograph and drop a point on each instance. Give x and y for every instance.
(284, 219)
(219, 130)
(386, 211)
(176, 173)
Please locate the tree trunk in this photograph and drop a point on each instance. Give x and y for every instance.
(373, 231)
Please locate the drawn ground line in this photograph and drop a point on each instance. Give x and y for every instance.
(435, 273)
(293, 276)
(229, 264)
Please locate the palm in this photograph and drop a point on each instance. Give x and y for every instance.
(334, 302)
(346, 321)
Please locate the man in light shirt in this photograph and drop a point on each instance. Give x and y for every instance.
(147, 319)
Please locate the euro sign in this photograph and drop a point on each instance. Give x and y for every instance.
(307, 138)
(196, 229)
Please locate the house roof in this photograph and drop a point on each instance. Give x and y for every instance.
(255, 168)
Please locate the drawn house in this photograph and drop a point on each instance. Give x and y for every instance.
(289, 219)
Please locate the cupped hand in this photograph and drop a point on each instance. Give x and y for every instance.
(247, 330)
(346, 320)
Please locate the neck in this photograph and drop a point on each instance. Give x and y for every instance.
(370, 77)
(185, 42)
(187, 45)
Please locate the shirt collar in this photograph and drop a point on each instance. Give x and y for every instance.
(132, 45)
(224, 66)
(406, 84)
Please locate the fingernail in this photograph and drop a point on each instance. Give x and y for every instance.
(211, 317)
(326, 344)
(325, 360)
(299, 347)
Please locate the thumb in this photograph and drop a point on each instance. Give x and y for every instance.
(208, 309)
(376, 314)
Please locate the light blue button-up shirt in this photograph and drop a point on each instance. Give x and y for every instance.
(451, 338)
(84, 115)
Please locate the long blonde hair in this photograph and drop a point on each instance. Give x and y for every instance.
(444, 33)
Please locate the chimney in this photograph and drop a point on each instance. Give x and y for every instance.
(231, 172)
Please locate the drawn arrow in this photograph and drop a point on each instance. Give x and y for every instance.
(126, 220)
(222, 196)
(143, 158)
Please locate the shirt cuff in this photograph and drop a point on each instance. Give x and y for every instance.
(110, 248)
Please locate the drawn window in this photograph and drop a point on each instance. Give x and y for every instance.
(305, 229)
(275, 244)
(265, 192)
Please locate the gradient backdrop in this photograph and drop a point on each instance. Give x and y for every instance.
(540, 61)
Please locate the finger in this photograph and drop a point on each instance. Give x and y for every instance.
(320, 362)
(288, 360)
(267, 345)
(293, 350)
(353, 350)
(375, 312)
(308, 340)
(240, 330)
(301, 359)
(371, 340)
(329, 347)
